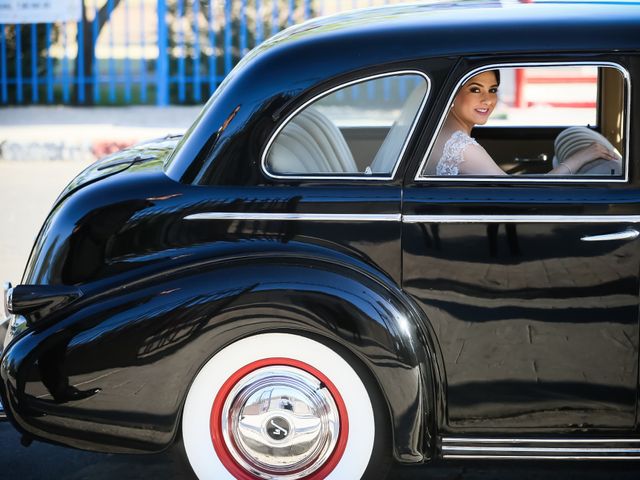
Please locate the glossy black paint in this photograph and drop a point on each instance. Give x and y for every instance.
(38, 301)
(159, 281)
(162, 294)
(538, 330)
(166, 329)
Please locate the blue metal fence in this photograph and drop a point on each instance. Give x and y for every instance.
(143, 51)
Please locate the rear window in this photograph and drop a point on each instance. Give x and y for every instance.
(357, 130)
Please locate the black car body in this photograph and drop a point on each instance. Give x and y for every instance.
(469, 342)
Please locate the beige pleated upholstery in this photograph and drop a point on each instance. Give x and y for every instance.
(573, 139)
(391, 147)
(310, 144)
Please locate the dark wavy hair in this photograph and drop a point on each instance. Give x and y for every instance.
(497, 74)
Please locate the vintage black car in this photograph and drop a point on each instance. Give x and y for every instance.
(289, 291)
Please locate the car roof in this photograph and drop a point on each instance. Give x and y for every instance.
(476, 27)
(348, 45)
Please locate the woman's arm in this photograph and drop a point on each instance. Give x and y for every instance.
(579, 159)
(476, 161)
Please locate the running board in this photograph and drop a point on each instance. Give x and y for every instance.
(540, 448)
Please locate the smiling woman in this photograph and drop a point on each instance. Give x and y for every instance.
(456, 152)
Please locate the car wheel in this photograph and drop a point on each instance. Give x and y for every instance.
(280, 406)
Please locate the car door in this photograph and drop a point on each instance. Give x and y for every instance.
(530, 287)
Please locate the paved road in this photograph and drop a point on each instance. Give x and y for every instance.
(43, 461)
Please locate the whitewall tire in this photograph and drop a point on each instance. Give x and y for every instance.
(280, 406)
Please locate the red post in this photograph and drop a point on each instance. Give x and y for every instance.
(519, 99)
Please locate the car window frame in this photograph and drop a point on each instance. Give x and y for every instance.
(324, 93)
(418, 178)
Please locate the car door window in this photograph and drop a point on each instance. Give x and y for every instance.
(355, 130)
(555, 122)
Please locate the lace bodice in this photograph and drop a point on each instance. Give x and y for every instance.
(452, 153)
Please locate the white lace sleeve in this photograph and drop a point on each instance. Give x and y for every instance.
(452, 153)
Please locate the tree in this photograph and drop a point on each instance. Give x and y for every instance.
(86, 39)
(192, 57)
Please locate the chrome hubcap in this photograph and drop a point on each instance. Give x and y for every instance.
(280, 422)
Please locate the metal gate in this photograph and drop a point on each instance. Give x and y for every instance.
(126, 52)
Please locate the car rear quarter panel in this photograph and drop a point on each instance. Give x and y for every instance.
(161, 295)
(142, 344)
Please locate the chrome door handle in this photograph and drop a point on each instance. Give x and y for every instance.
(628, 234)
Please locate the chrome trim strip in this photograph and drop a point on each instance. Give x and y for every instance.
(470, 440)
(541, 457)
(5, 318)
(521, 219)
(315, 217)
(522, 179)
(3, 414)
(5, 310)
(4, 331)
(396, 217)
(363, 177)
(629, 234)
(553, 179)
(584, 450)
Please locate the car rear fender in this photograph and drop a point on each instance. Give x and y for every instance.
(151, 338)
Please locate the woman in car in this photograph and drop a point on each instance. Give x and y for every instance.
(457, 153)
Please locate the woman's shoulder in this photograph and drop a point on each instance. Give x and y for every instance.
(453, 152)
(458, 141)
(475, 160)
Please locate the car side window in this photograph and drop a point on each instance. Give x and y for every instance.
(356, 130)
(552, 121)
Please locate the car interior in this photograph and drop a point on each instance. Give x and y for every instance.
(311, 143)
(536, 149)
(358, 130)
(362, 128)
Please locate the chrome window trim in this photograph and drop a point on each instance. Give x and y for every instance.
(361, 177)
(519, 179)
(521, 219)
(396, 217)
(316, 217)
